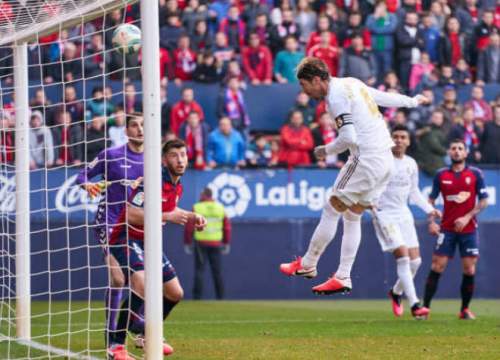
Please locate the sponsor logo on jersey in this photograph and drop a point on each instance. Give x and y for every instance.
(447, 182)
(459, 198)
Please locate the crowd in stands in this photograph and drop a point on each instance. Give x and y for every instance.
(407, 46)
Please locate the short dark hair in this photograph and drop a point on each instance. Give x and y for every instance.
(207, 192)
(458, 141)
(400, 127)
(97, 89)
(310, 67)
(131, 116)
(172, 144)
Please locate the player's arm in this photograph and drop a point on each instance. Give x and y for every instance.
(434, 228)
(95, 168)
(386, 99)
(135, 216)
(418, 198)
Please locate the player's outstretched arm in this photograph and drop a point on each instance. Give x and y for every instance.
(386, 99)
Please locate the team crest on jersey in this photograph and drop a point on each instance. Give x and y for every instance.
(459, 198)
(467, 180)
(93, 163)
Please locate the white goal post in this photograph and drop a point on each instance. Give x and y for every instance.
(27, 24)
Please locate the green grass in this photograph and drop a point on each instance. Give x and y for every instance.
(287, 330)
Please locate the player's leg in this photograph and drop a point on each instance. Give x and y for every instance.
(469, 252)
(113, 295)
(445, 249)
(199, 266)
(215, 259)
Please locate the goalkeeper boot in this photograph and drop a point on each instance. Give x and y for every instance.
(420, 312)
(466, 314)
(397, 305)
(140, 343)
(118, 352)
(296, 268)
(333, 285)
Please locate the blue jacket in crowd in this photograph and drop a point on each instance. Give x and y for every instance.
(225, 150)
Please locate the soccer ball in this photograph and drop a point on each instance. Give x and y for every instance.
(127, 38)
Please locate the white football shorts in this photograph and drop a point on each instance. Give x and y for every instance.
(394, 231)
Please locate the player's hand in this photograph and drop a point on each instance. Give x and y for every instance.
(226, 249)
(422, 99)
(200, 222)
(93, 189)
(434, 228)
(435, 214)
(320, 152)
(178, 216)
(461, 223)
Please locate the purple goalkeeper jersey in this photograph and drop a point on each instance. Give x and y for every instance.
(121, 166)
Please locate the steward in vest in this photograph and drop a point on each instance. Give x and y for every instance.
(210, 244)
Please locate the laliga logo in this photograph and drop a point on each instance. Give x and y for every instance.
(232, 191)
(70, 197)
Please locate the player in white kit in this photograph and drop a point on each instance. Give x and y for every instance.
(394, 224)
(362, 131)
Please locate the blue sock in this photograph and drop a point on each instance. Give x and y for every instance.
(113, 298)
(167, 307)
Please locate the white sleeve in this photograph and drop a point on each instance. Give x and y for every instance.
(416, 196)
(338, 102)
(346, 139)
(386, 99)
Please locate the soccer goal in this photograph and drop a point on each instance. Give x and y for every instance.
(65, 92)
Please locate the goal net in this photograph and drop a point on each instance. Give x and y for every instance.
(80, 92)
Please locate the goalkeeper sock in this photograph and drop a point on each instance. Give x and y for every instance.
(120, 334)
(113, 298)
(168, 306)
(323, 235)
(431, 287)
(136, 324)
(467, 290)
(351, 239)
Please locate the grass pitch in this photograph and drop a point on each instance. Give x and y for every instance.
(319, 329)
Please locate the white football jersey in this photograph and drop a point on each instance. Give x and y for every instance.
(352, 96)
(403, 186)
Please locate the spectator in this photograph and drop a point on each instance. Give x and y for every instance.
(287, 60)
(184, 60)
(419, 116)
(259, 153)
(181, 110)
(94, 56)
(336, 17)
(231, 104)
(406, 7)
(68, 141)
(382, 26)
(409, 43)
(296, 141)
(43, 104)
(252, 10)
(171, 32)
(7, 141)
(420, 72)
(358, 62)
(450, 107)
(431, 148)
(217, 11)
(172, 8)
(193, 14)
(201, 39)
(355, 26)
(315, 37)
(276, 15)
(72, 65)
(71, 104)
(226, 146)
(234, 28)
(438, 13)
(222, 51)
(461, 73)
(391, 81)
(302, 104)
(467, 15)
(431, 35)
(262, 28)
(195, 135)
(40, 143)
(483, 30)
(446, 76)
(95, 137)
(257, 61)
(451, 43)
(280, 33)
(306, 19)
(465, 129)
(208, 70)
(234, 70)
(325, 134)
(116, 131)
(166, 66)
(490, 140)
(166, 110)
(130, 103)
(488, 62)
(124, 67)
(326, 52)
(97, 106)
(111, 21)
(482, 110)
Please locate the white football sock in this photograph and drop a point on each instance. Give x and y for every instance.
(351, 239)
(414, 265)
(323, 234)
(406, 279)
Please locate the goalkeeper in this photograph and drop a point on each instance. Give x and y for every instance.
(127, 244)
(119, 168)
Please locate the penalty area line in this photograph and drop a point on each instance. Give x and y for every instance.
(52, 349)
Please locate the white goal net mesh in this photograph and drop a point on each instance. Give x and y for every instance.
(81, 90)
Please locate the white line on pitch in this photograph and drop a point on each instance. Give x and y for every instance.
(53, 350)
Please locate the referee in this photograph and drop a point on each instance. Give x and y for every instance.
(460, 186)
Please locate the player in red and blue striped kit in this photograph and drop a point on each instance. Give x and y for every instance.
(464, 194)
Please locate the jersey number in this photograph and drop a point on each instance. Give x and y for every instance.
(369, 102)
